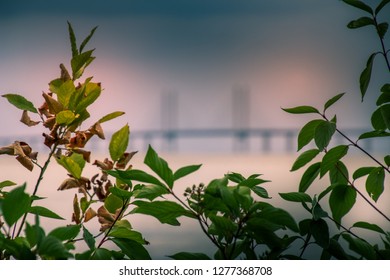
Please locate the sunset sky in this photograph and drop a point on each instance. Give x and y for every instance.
(287, 53)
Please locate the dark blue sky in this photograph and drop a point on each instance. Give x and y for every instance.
(286, 52)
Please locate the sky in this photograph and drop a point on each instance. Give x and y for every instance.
(285, 53)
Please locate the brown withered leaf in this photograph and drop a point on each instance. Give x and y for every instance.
(104, 165)
(26, 162)
(54, 106)
(23, 153)
(86, 154)
(69, 183)
(80, 139)
(76, 210)
(27, 150)
(27, 120)
(49, 140)
(100, 193)
(50, 122)
(105, 218)
(64, 73)
(97, 129)
(124, 160)
(44, 110)
(89, 215)
(7, 150)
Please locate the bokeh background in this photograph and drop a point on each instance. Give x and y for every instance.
(193, 65)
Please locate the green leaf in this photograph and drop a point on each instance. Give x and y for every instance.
(86, 40)
(339, 174)
(306, 134)
(101, 254)
(323, 134)
(119, 142)
(222, 226)
(125, 233)
(304, 158)
(34, 234)
(184, 171)
(383, 98)
(136, 175)
(260, 191)
(72, 38)
(360, 246)
(362, 171)
(66, 233)
(17, 248)
(111, 116)
(278, 216)
(132, 249)
(374, 134)
(320, 231)
(332, 157)
(332, 101)
(159, 166)
(189, 256)
(296, 197)
(326, 191)
(317, 212)
(113, 203)
(88, 238)
(80, 62)
(244, 198)
(44, 212)
(360, 5)
(375, 183)
(6, 183)
(166, 212)
(150, 192)
(365, 76)
(361, 22)
(235, 177)
(369, 226)
(387, 160)
(65, 117)
(381, 5)
(121, 193)
(91, 92)
(15, 204)
(63, 89)
(309, 176)
(382, 29)
(74, 164)
(380, 119)
(301, 110)
(52, 248)
(20, 102)
(229, 198)
(341, 201)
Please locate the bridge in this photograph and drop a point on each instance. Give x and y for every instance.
(254, 140)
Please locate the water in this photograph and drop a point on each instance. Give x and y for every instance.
(165, 239)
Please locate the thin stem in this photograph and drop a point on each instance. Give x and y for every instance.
(41, 174)
(355, 144)
(383, 52)
(361, 194)
(307, 242)
(364, 151)
(356, 236)
(202, 224)
(82, 238)
(104, 239)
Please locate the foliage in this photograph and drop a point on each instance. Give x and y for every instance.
(234, 212)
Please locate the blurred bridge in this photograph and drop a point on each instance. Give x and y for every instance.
(256, 140)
